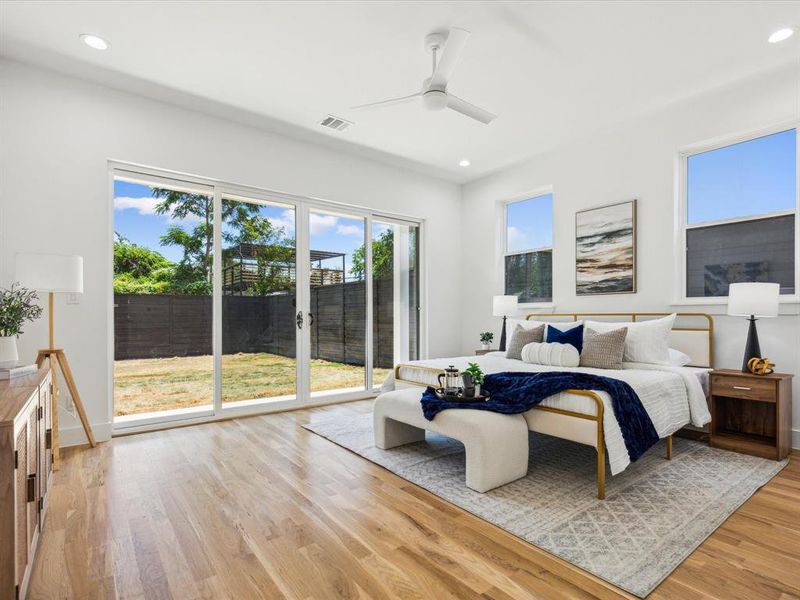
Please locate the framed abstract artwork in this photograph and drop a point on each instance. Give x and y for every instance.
(605, 250)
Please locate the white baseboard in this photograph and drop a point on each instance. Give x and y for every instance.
(796, 439)
(75, 436)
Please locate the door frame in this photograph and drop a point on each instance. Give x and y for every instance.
(302, 205)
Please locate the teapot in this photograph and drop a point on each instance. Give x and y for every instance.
(449, 380)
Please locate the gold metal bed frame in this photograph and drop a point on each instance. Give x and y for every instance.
(600, 444)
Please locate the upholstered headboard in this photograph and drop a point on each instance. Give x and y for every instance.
(692, 333)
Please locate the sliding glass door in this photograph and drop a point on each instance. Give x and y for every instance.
(229, 298)
(395, 295)
(163, 273)
(259, 301)
(337, 314)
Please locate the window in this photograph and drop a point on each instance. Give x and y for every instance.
(740, 215)
(528, 252)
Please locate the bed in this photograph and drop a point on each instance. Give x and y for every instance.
(672, 396)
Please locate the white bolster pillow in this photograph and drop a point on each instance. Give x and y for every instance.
(552, 354)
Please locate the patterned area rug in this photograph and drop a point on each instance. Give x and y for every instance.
(655, 513)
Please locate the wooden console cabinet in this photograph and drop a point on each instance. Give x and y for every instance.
(25, 468)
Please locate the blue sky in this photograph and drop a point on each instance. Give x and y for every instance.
(744, 179)
(135, 219)
(530, 223)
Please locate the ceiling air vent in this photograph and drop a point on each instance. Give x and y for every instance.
(335, 123)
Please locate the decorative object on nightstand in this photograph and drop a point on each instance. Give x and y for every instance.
(751, 413)
(486, 340)
(752, 300)
(502, 306)
(56, 273)
(760, 366)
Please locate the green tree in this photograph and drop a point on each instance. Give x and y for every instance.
(134, 260)
(140, 270)
(382, 257)
(197, 243)
(242, 223)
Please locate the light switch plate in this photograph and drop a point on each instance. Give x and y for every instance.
(72, 298)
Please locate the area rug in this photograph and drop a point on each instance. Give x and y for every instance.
(654, 515)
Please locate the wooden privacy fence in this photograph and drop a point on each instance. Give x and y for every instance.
(160, 326)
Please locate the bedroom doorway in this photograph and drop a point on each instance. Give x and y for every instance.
(232, 300)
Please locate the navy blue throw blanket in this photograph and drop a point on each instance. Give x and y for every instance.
(512, 393)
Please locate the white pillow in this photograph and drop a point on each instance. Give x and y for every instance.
(678, 358)
(552, 354)
(646, 342)
(530, 324)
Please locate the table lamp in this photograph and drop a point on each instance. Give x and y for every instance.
(502, 306)
(55, 274)
(753, 300)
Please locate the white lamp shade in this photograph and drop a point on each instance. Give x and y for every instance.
(503, 305)
(50, 272)
(757, 299)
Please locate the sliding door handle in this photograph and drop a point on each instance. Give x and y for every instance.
(31, 487)
(310, 319)
(299, 320)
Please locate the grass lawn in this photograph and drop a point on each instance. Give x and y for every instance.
(153, 384)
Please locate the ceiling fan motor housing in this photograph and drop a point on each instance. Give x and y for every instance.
(434, 40)
(434, 99)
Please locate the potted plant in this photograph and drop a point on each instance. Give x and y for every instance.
(16, 307)
(486, 340)
(477, 376)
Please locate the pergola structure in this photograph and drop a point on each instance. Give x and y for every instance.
(242, 269)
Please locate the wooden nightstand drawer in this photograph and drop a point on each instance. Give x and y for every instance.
(749, 388)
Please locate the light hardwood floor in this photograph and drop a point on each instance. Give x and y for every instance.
(261, 508)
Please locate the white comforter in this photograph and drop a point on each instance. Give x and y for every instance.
(672, 396)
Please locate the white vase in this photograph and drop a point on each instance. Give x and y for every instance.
(477, 389)
(8, 350)
(485, 346)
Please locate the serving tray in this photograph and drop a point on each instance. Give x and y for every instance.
(460, 397)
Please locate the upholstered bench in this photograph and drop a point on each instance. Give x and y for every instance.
(496, 445)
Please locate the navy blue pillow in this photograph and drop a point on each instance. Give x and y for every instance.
(572, 336)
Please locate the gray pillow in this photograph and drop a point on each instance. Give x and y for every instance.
(603, 350)
(521, 338)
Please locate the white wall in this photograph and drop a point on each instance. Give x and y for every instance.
(57, 134)
(635, 161)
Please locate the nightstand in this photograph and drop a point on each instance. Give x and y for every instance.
(482, 352)
(751, 413)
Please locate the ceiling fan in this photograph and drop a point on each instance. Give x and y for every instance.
(434, 92)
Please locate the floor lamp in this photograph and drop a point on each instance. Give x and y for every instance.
(55, 274)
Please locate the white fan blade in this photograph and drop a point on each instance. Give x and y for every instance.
(465, 108)
(389, 102)
(456, 40)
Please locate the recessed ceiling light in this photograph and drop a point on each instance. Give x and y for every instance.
(94, 41)
(780, 35)
(464, 163)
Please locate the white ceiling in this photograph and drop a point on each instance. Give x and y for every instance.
(552, 71)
